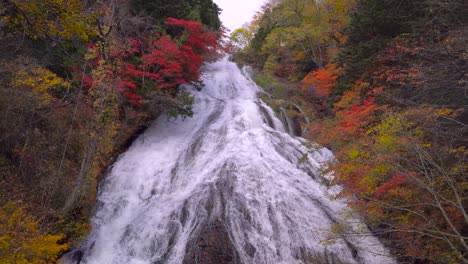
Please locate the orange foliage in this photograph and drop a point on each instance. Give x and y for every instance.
(322, 81)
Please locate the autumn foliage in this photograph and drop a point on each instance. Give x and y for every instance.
(400, 168)
(79, 80)
(160, 61)
(387, 82)
(40, 19)
(21, 240)
(322, 81)
(169, 60)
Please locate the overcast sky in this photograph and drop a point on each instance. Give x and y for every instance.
(237, 12)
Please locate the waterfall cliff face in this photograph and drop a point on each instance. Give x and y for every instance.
(231, 175)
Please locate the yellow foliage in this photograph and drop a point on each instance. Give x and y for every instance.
(369, 183)
(387, 139)
(381, 170)
(51, 18)
(40, 80)
(354, 154)
(21, 240)
(448, 112)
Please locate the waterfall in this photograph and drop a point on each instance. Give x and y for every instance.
(229, 178)
(287, 122)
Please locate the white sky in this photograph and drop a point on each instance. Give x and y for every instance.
(237, 12)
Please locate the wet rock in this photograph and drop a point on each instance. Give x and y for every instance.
(213, 246)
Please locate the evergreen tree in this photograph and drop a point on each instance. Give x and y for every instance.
(204, 11)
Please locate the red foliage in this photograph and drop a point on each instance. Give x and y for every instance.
(396, 181)
(352, 181)
(87, 81)
(167, 60)
(355, 119)
(170, 62)
(200, 41)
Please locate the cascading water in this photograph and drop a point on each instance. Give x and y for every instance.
(232, 166)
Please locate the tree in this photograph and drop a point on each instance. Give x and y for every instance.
(322, 80)
(241, 38)
(171, 59)
(49, 18)
(21, 240)
(40, 80)
(203, 11)
(69, 105)
(297, 34)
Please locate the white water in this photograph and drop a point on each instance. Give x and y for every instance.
(231, 162)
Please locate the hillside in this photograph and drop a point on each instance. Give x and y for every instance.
(386, 86)
(79, 80)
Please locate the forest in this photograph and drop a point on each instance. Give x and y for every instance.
(79, 80)
(384, 85)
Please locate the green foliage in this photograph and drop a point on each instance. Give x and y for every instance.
(204, 11)
(182, 106)
(76, 228)
(259, 37)
(283, 96)
(374, 23)
(241, 38)
(371, 26)
(293, 37)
